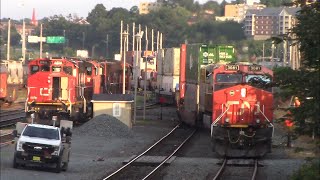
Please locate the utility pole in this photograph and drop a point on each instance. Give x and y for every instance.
(138, 37)
(133, 35)
(127, 42)
(40, 40)
(9, 38)
(23, 41)
(145, 78)
(125, 34)
(160, 40)
(152, 40)
(158, 36)
(121, 30)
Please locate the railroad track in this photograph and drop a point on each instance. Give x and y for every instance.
(11, 117)
(155, 157)
(220, 174)
(6, 139)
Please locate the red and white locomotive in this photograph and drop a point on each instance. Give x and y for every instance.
(64, 87)
(234, 101)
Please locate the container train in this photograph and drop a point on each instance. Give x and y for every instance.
(64, 87)
(12, 80)
(233, 100)
(168, 65)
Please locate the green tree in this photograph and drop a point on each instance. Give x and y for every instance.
(305, 82)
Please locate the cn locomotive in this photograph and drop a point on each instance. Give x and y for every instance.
(64, 87)
(233, 100)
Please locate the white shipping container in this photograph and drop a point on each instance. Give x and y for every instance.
(171, 64)
(167, 83)
(160, 57)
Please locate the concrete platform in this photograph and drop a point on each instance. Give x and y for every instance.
(149, 160)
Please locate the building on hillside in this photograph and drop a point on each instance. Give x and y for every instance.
(237, 12)
(146, 7)
(275, 22)
(265, 23)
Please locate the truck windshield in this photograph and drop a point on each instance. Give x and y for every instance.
(41, 133)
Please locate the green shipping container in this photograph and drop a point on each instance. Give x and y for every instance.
(199, 55)
(225, 54)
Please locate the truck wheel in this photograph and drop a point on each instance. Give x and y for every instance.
(58, 166)
(15, 164)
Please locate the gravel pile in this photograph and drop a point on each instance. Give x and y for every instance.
(104, 126)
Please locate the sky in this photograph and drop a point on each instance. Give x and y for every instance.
(19, 9)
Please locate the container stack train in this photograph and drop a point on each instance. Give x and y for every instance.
(13, 77)
(64, 87)
(232, 99)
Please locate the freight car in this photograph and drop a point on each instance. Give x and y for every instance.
(13, 80)
(233, 100)
(171, 61)
(3, 84)
(64, 87)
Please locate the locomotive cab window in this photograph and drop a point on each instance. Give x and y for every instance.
(45, 68)
(56, 69)
(89, 70)
(67, 70)
(229, 78)
(34, 69)
(259, 81)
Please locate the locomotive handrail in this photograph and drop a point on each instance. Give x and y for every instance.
(266, 118)
(218, 118)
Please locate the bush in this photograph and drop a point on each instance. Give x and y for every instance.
(309, 171)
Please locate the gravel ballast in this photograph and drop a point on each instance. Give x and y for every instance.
(104, 126)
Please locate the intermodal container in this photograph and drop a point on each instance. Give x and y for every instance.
(182, 80)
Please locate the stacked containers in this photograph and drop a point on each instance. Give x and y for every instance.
(168, 69)
(198, 57)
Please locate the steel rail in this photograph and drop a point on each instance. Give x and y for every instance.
(5, 136)
(137, 157)
(255, 169)
(168, 157)
(217, 176)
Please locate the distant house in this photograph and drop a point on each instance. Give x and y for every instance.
(81, 21)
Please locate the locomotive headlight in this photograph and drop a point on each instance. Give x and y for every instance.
(49, 81)
(227, 120)
(257, 121)
(243, 92)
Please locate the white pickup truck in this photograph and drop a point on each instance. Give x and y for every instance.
(43, 144)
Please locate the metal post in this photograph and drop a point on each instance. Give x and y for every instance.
(125, 34)
(54, 119)
(40, 41)
(121, 30)
(9, 38)
(152, 41)
(145, 79)
(32, 117)
(135, 75)
(133, 33)
(160, 40)
(23, 41)
(158, 36)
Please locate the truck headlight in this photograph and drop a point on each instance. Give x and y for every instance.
(19, 146)
(56, 151)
